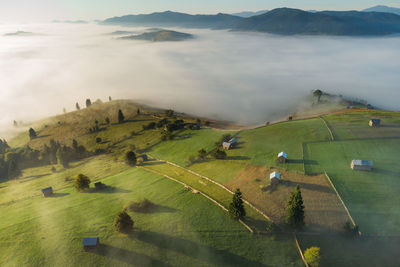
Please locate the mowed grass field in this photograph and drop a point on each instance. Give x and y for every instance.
(185, 229)
(372, 197)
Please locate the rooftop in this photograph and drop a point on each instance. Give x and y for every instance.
(274, 175)
(282, 154)
(359, 162)
(90, 241)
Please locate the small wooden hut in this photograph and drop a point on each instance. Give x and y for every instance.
(361, 165)
(226, 145)
(144, 157)
(282, 157)
(274, 178)
(374, 122)
(99, 186)
(90, 243)
(47, 192)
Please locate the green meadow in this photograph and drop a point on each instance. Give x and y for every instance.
(184, 229)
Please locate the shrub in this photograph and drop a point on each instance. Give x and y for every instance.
(144, 205)
(202, 154)
(131, 158)
(123, 223)
(313, 256)
(82, 182)
(219, 154)
(98, 140)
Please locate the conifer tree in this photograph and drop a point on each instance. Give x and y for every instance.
(236, 208)
(88, 102)
(77, 106)
(32, 133)
(121, 116)
(295, 209)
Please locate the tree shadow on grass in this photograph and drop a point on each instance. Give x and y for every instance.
(155, 208)
(385, 172)
(127, 256)
(55, 195)
(108, 190)
(151, 163)
(195, 250)
(238, 158)
(313, 187)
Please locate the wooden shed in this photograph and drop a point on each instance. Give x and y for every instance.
(90, 243)
(274, 178)
(99, 186)
(226, 145)
(375, 122)
(47, 192)
(282, 157)
(361, 165)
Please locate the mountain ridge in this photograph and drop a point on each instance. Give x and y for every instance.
(283, 21)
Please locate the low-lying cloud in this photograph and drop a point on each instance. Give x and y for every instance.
(246, 77)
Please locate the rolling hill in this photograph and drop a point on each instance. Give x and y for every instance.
(284, 21)
(190, 225)
(384, 9)
(159, 36)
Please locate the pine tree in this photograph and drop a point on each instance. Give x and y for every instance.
(77, 106)
(109, 98)
(121, 117)
(138, 111)
(88, 102)
(32, 133)
(236, 208)
(295, 209)
(131, 158)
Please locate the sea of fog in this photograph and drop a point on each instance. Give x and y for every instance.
(247, 77)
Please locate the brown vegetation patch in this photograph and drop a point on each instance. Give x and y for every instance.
(323, 210)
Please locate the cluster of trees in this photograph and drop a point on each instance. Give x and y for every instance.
(12, 161)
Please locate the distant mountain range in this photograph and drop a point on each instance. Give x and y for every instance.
(385, 9)
(284, 21)
(19, 33)
(248, 14)
(159, 36)
(71, 21)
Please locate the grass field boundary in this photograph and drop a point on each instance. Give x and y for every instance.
(302, 153)
(200, 192)
(218, 184)
(341, 200)
(300, 251)
(329, 128)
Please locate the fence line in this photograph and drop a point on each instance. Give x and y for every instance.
(341, 200)
(300, 251)
(329, 129)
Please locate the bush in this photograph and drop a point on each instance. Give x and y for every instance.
(123, 223)
(131, 158)
(219, 154)
(202, 154)
(144, 205)
(313, 256)
(82, 182)
(98, 140)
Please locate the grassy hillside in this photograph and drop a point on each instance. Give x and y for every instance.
(189, 229)
(185, 229)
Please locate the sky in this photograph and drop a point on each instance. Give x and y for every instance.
(25, 11)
